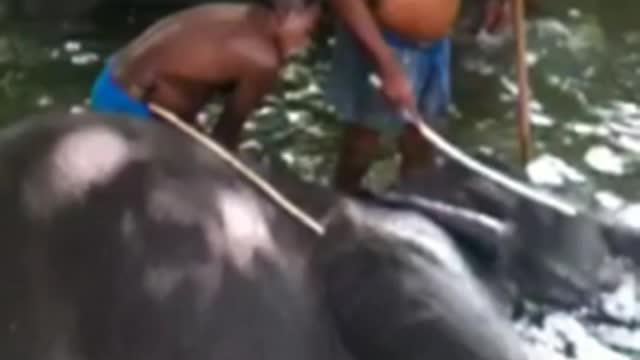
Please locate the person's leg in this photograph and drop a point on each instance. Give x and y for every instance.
(364, 111)
(359, 146)
(246, 97)
(430, 73)
(348, 91)
(228, 133)
(417, 154)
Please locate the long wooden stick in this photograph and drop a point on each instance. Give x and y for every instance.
(522, 113)
(474, 165)
(249, 174)
(499, 178)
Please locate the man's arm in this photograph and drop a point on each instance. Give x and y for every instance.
(246, 96)
(359, 20)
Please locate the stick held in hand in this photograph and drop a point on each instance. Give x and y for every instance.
(413, 117)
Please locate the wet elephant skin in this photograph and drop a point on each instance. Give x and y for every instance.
(124, 240)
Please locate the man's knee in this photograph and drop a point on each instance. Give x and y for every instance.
(361, 140)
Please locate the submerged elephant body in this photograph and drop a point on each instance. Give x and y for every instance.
(124, 240)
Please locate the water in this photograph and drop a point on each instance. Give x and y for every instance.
(585, 77)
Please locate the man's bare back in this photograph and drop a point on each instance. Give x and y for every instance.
(182, 60)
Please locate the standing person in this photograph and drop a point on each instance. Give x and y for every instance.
(181, 61)
(406, 43)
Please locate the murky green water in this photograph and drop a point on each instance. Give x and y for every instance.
(585, 72)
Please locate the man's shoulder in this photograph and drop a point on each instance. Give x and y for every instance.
(257, 51)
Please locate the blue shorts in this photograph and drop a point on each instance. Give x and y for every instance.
(108, 96)
(357, 101)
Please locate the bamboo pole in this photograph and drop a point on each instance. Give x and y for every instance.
(522, 107)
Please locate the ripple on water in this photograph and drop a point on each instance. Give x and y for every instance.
(541, 120)
(77, 109)
(85, 58)
(72, 46)
(44, 101)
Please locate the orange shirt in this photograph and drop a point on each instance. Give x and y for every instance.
(419, 20)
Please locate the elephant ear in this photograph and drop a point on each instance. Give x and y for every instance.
(481, 235)
(398, 288)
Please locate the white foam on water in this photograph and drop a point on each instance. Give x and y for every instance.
(72, 46)
(541, 120)
(85, 58)
(604, 160)
(563, 337)
(618, 337)
(621, 304)
(44, 101)
(630, 215)
(609, 200)
(550, 170)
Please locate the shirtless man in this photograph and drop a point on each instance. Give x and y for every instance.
(181, 61)
(406, 43)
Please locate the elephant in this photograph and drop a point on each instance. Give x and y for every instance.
(125, 239)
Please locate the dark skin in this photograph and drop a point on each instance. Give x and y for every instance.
(182, 61)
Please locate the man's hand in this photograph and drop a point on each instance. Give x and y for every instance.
(358, 18)
(397, 88)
